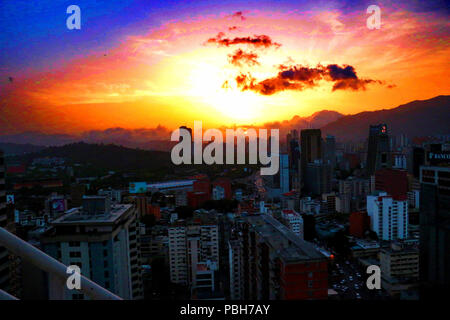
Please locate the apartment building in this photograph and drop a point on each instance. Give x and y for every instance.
(102, 239)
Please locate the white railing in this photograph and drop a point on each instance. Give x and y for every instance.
(46, 263)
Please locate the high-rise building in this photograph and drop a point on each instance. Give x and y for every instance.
(293, 145)
(330, 151)
(191, 243)
(318, 178)
(388, 216)
(392, 181)
(284, 173)
(434, 230)
(378, 152)
(102, 240)
(235, 265)
(277, 264)
(311, 148)
(418, 155)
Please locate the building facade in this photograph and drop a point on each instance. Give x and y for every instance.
(102, 240)
(388, 217)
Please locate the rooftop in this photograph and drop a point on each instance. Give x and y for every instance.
(290, 246)
(78, 216)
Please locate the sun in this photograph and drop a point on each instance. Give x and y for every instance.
(206, 82)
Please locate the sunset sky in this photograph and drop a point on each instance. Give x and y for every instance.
(144, 64)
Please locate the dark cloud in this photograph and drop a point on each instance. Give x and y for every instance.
(340, 73)
(233, 28)
(239, 15)
(353, 84)
(257, 41)
(302, 77)
(240, 57)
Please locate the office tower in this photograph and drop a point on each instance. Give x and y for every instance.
(294, 221)
(280, 180)
(418, 155)
(388, 216)
(318, 178)
(102, 239)
(235, 266)
(192, 242)
(399, 267)
(434, 230)
(378, 152)
(277, 264)
(311, 148)
(355, 187)
(284, 173)
(392, 181)
(330, 151)
(293, 145)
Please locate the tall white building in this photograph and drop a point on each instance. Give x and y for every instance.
(191, 245)
(294, 221)
(388, 217)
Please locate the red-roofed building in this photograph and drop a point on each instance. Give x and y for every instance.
(197, 199)
(359, 224)
(392, 181)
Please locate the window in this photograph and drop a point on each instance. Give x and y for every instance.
(105, 253)
(74, 243)
(75, 254)
(106, 274)
(310, 283)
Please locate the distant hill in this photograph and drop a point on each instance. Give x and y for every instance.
(415, 119)
(109, 156)
(17, 149)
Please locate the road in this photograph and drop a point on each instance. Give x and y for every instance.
(349, 280)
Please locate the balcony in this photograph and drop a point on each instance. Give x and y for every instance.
(53, 267)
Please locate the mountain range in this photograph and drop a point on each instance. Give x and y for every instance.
(415, 119)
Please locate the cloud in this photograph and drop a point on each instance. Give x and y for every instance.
(239, 15)
(257, 41)
(232, 28)
(240, 57)
(301, 77)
